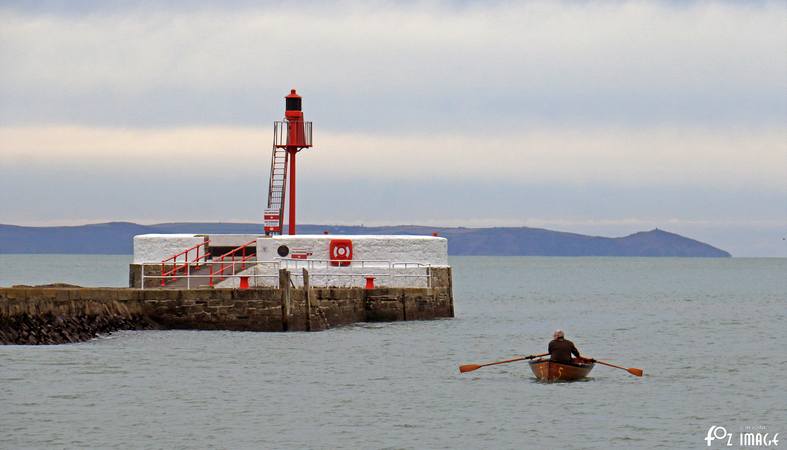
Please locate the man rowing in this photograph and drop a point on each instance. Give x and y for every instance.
(561, 349)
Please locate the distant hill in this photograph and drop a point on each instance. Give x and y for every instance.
(116, 238)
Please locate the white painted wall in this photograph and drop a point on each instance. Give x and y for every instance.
(231, 240)
(372, 256)
(422, 249)
(155, 247)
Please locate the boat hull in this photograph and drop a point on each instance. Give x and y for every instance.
(547, 370)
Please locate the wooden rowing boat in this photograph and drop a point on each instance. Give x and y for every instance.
(547, 370)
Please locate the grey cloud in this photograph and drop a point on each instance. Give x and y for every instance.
(392, 66)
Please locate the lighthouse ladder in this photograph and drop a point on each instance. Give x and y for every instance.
(274, 213)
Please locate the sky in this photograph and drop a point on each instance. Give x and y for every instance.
(594, 117)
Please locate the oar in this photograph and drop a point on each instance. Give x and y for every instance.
(472, 367)
(631, 370)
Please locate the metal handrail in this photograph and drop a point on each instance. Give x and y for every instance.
(380, 275)
(189, 277)
(231, 253)
(388, 262)
(297, 275)
(285, 130)
(310, 263)
(281, 264)
(173, 273)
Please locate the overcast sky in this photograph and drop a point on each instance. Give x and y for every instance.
(593, 117)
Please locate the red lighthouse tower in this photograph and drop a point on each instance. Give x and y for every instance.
(289, 137)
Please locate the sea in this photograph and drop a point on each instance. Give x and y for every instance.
(710, 335)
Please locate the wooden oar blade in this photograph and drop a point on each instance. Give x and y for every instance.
(631, 370)
(469, 368)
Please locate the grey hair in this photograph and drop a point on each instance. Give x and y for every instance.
(558, 334)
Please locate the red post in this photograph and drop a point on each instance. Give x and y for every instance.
(293, 152)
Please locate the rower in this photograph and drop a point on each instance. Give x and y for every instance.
(561, 349)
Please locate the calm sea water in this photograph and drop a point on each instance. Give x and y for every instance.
(709, 333)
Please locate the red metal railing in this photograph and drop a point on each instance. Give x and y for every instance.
(232, 255)
(172, 274)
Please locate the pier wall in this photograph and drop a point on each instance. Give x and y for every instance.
(156, 247)
(35, 315)
(392, 260)
(428, 250)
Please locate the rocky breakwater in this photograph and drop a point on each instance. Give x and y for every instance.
(61, 315)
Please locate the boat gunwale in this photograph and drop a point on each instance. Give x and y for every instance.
(577, 365)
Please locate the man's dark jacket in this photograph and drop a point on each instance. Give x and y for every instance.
(560, 350)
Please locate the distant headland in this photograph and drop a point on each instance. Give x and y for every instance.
(116, 238)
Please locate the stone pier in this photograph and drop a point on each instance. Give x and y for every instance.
(41, 315)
